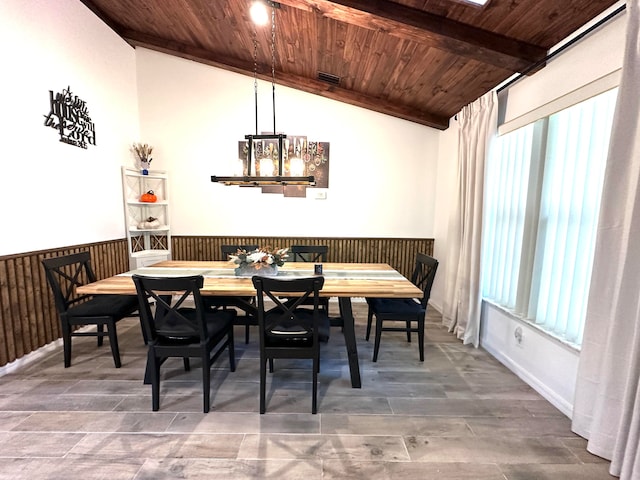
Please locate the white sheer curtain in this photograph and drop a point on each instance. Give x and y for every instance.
(461, 309)
(607, 402)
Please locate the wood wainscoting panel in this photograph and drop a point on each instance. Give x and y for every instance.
(400, 253)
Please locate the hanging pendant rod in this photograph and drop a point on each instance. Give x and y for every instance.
(255, 75)
(273, 66)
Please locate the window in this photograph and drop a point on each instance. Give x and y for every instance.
(543, 189)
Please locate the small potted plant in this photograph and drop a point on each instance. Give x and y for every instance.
(143, 152)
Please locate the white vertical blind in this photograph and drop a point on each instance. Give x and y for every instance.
(506, 200)
(577, 144)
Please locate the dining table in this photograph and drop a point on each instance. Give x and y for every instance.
(344, 281)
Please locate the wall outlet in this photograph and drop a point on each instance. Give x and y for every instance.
(321, 195)
(517, 334)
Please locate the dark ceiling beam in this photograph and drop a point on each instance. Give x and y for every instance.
(425, 28)
(298, 82)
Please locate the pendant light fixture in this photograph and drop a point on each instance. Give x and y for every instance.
(265, 153)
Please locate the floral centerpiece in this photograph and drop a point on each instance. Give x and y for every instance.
(143, 152)
(261, 261)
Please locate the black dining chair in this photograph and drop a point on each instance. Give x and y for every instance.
(177, 329)
(409, 311)
(66, 273)
(311, 254)
(286, 329)
(245, 304)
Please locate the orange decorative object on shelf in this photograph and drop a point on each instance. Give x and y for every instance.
(148, 197)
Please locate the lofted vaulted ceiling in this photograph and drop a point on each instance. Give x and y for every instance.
(420, 60)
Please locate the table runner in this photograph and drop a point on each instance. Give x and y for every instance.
(282, 273)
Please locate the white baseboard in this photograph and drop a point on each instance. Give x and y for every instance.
(531, 380)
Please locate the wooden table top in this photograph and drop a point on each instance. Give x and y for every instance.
(341, 279)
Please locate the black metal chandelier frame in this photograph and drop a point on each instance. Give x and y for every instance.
(262, 180)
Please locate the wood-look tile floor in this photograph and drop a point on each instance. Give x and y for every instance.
(458, 415)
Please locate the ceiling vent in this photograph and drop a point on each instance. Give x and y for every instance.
(328, 78)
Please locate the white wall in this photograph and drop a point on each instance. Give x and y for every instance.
(54, 194)
(382, 173)
(544, 363)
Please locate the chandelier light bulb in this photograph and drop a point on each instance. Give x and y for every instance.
(266, 167)
(259, 13)
(296, 167)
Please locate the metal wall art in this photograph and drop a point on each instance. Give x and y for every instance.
(70, 116)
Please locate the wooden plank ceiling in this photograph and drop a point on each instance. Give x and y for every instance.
(420, 60)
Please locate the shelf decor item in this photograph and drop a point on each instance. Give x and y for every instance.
(150, 223)
(261, 261)
(143, 152)
(149, 197)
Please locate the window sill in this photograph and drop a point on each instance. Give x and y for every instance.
(531, 324)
